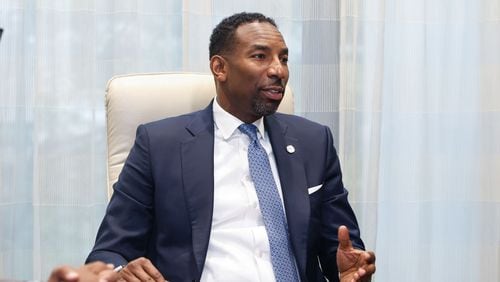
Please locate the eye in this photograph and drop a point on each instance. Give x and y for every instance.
(284, 60)
(259, 56)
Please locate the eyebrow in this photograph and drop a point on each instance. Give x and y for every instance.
(267, 48)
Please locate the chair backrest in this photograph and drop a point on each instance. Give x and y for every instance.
(134, 99)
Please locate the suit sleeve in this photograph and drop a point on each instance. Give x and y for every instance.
(335, 211)
(125, 230)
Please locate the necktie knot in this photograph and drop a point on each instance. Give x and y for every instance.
(250, 130)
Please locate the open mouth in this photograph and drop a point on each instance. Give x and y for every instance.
(273, 92)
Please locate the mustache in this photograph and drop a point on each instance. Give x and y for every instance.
(275, 83)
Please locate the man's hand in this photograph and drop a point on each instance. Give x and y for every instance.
(141, 269)
(96, 271)
(353, 265)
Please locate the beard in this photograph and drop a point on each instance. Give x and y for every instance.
(264, 108)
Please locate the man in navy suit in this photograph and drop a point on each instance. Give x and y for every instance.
(185, 207)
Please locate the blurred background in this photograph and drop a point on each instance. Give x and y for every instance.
(411, 90)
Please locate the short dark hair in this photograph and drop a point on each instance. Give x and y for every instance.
(222, 38)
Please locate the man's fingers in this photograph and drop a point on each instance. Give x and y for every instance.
(97, 266)
(365, 273)
(369, 257)
(367, 270)
(108, 275)
(63, 273)
(344, 239)
(153, 272)
(141, 269)
(128, 276)
(134, 272)
(370, 269)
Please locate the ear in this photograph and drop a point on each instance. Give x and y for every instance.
(218, 66)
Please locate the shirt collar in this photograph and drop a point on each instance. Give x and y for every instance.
(228, 124)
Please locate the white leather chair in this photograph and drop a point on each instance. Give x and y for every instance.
(134, 99)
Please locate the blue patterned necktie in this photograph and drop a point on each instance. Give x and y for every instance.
(271, 208)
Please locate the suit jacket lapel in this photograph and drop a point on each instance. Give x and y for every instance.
(293, 183)
(198, 177)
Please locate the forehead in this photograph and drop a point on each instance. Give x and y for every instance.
(260, 33)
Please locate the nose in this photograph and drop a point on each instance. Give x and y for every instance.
(277, 69)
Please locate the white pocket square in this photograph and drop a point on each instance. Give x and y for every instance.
(314, 189)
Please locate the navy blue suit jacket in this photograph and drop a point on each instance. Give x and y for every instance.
(162, 204)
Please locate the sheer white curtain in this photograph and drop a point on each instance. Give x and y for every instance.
(410, 97)
(55, 59)
(420, 134)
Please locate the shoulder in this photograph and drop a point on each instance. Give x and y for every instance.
(179, 127)
(170, 122)
(295, 119)
(300, 125)
(196, 120)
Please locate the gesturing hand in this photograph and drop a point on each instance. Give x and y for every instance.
(353, 264)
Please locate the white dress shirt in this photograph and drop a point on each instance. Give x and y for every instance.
(238, 249)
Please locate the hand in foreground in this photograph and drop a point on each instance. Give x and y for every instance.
(96, 271)
(140, 269)
(353, 264)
